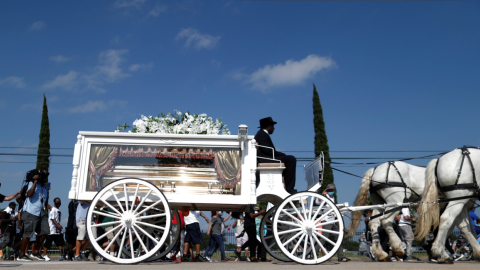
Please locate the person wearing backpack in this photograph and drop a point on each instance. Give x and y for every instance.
(215, 230)
(33, 213)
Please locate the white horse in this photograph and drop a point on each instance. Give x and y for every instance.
(390, 182)
(454, 174)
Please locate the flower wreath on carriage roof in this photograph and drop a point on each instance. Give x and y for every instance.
(177, 123)
(227, 162)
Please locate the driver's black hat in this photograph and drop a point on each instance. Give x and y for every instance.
(266, 122)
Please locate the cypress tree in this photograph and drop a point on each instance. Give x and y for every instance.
(43, 152)
(321, 141)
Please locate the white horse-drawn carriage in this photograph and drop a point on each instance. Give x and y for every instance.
(138, 182)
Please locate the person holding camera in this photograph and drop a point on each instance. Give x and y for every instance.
(329, 192)
(33, 215)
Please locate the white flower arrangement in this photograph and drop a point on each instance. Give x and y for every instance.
(177, 123)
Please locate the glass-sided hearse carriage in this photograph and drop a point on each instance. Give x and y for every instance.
(136, 182)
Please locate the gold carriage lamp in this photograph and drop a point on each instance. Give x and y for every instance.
(242, 135)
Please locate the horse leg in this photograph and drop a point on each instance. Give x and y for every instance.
(395, 241)
(464, 224)
(447, 219)
(377, 250)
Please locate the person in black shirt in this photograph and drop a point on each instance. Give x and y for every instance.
(8, 220)
(251, 230)
(70, 230)
(264, 155)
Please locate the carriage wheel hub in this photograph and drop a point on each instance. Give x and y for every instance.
(129, 219)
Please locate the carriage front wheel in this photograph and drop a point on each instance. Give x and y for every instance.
(308, 228)
(127, 210)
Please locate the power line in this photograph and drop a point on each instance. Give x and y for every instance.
(29, 147)
(34, 155)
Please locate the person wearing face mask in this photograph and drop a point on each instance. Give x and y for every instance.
(55, 235)
(329, 192)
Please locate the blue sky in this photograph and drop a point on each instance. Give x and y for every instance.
(391, 75)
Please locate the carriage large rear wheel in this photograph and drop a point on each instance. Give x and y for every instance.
(268, 240)
(308, 228)
(134, 207)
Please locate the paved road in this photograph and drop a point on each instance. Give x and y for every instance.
(276, 265)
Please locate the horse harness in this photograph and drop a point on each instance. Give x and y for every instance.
(457, 186)
(391, 184)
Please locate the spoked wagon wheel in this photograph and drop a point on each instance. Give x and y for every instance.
(308, 228)
(134, 206)
(170, 241)
(268, 240)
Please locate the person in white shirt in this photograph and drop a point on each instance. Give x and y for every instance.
(241, 237)
(55, 235)
(406, 232)
(194, 235)
(329, 193)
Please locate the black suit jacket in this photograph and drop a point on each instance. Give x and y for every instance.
(264, 139)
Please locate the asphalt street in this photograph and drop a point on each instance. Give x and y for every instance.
(276, 265)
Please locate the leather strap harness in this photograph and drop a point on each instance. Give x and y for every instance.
(457, 186)
(391, 184)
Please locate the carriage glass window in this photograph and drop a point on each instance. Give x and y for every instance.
(195, 170)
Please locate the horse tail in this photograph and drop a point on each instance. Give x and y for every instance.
(428, 213)
(360, 201)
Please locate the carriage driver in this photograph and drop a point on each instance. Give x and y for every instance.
(263, 138)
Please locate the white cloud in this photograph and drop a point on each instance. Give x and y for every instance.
(13, 81)
(290, 73)
(97, 105)
(128, 3)
(36, 26)
(157, 10)
(60, 59)
(108, 70)
(137, 67)
(67, 82)
(197, 39)
(115, 40)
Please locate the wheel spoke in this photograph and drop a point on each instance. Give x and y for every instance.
(131, 242)
(106, 223)
(115, 237)
(145, 233)
(291, 239)
(291, 216)
(106, 215)
(305, 247)
(268, 237)
(126, 197)
(140, 240)
(111, 207)
(121, 244)
(313, 248)
(152, 216)
(320, 244)
(151, 225)
(143, 200)
(326, 239)
(148, 208)
(290, 223)
(105, 234)
(135, 197)
(327, 222)
(303, 208)
(311, 208)
(327, 231)
(323, 215)
(289, 231)
(118, 201)
(318, 210)
(296, 210)
(296, 246)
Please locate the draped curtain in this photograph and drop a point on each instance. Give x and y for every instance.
(101, 160)
(228, 165)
